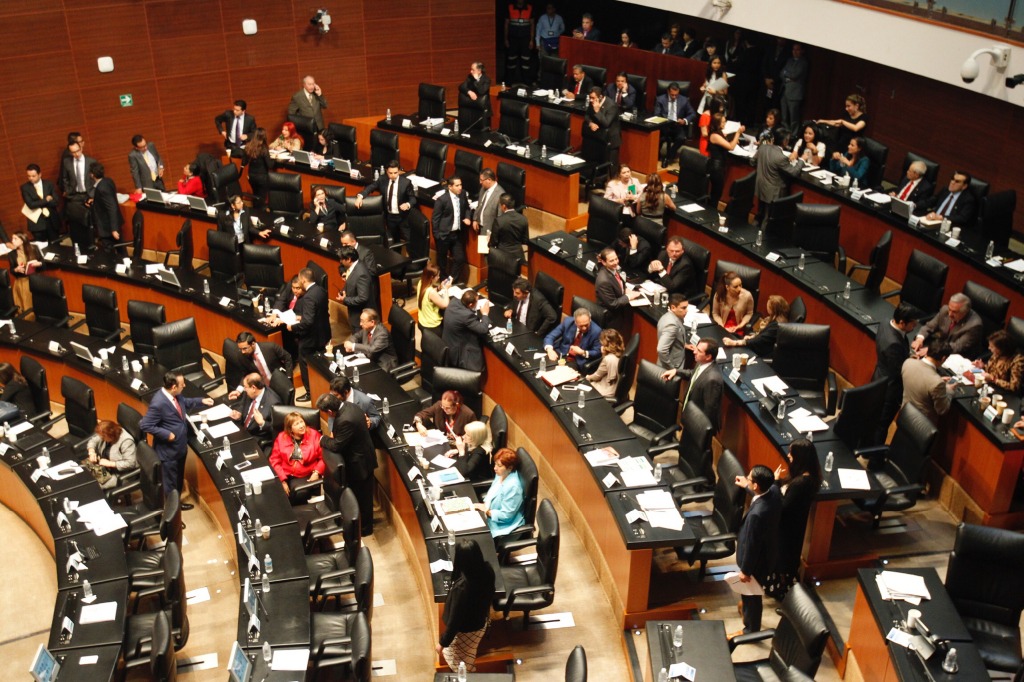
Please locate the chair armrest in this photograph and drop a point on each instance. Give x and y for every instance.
(320, 520)
(832, 396)
(397, 246)
(695, 497)
(872, 451)
(517, 545)
(46, 426)
(517, 592)
(893, 293)
(78, 324)
(857, 267)
(904, 489)
(621, 408)
(841, 255)
(331, 641)
(665, 433)
(407, 367)
(138, 648)
(308, 485)
(481, 487)
(148, 591)
(700, 301)
(663, 447)
(331, 575)
(688, 483)
(120, 490)
(204, 266)
(24, 313)
(213, 365)
(750, 638)
(582, 232)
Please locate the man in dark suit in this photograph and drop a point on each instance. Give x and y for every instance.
(373, 340)
(681, 115)
(165, 421)
(309, 103)
(399, 197)
(257, 406)
(358, 291)
(106, 216)
(350, 439)
(758, 538)
(915, 188)
(621, 92)
(673, 269)
(511, 230)
(611, 292)
(667, 46)
(464, 330)
(41, 195)
(531, 308)
(706, 383)
(263, 358)
(891, 349)
(236, 220)
(601, 118)
(450, 219)
(957, 202)
(313, 328)
(576, 338)
(235, 126)
(146, 166)
(77, 189)
(793, 84)
(578, 84)
(586, 30)
(342, 387)
(348, 238)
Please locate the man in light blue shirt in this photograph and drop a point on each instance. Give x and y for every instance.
(549, 27)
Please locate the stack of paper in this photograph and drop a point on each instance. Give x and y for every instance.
(774, 383)
(445, 477)
(432, 437)
(601, 457)
(660, 509)
(905, 586)
(692, 208)
(100, 518)
(636, 471)
(566, 159)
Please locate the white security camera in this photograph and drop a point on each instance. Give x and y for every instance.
(970, 69)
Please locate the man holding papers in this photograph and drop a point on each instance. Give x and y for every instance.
(758, 538)
(40, 197)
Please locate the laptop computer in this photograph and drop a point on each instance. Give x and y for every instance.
(82, 352)
(44, 666)
(239, 665)
(342, 166)
(168, 277)
(197, 203)
(904, 209)
(154, 195)
(301, 156)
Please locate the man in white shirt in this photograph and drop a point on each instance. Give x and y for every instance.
(450, 220)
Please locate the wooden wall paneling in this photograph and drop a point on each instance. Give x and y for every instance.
(269, 14)
(193, 125)
(41, 71)
(25, 40)
(115, 33)
(389, 9)
(11, 8)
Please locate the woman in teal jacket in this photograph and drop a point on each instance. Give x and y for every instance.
(503, 503)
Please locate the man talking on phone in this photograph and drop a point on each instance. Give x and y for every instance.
(309, 102)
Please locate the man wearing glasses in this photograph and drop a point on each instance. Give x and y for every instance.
(956, 202)
(146, 165)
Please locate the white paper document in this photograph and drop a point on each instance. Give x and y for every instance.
(665, 518)
(751, 588)
(440, 565)
(565, 159)
(636, 479)
(899, 584)
(1015, 265)
(601, 457)
(215, 413)
(683, 670)
(442, 462)
(774, 383)
(810, 423)
(854, 479)
(98, 613)
(433, 437)
(656, 500)
(222, 429)
(463, 521)
(692, 208)
(20, 428)
(260, 474)
(288, 317)
(290, 659)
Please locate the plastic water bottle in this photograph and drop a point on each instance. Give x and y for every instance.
(376, 174)
(582, 400)
(527, 154)
(420, 458)
(266, 583)
(990, 250)
(7, 427)
(46, 455)
(124, 363)
(579, 251)
(830, 461)
(543, 151)
(810, 436)
(663, 675)
(268, 653)
(456, 126)
(780, 412)
(225, 444)
(86, 589)
(268, 563)
(386, 408)
(802, 263)
(949, 663)
(206, 287)
(657, 473)
(387, 117)
(677, 636)
(461, 674)
(355, 376)
(856, 185)
(78, 251)
(451, 545)
(846, 292)
(760, 238)
(540, 370)
(339, 359)
(508, 326)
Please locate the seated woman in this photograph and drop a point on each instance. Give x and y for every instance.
(772, 120)
(733, 306)
(326, 214)
(467, 607)
(296, 456)
(448, 415)
(623, 189)
(325, 147)
(25, 259)
(15, 390)
(432, 299)
(113, 449)
(288, 141)
(472, 453)
(808, 148)
(766, 331)
(503, 503)
(191, 183)
(853, 163)
(1005, 367)
(606, 378)
(653, 200)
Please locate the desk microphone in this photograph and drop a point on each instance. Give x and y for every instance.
(470, 126)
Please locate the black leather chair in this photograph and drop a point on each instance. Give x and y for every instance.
(639, 83)
(816, 230)
(49, 302)
(433, 355)
(798, 641)
(383, 148)
(138, 237)
(502, 271)
(35, 377)
(716, 532)
(513, 180)
(163, 666)
(989, 600)
(532, 587)
(598, 169)
(798, 310)
(931, 173)
(173, 603)
(225, 262)
(333, 576)
(474, 114)
(552, 72)
(284, 192)
(102, 314)
(801, 359)
(554, 130)
(627, 369)
(145, 516)
(497, 422)
(307, 129)
(143, 317)
(79, 411)
(467, 382)
(432, 160)
(780, 217)
(694, 472)
(417, 249)
(282, 384)
(596, 310)
(860, 410)
(877, 154)
(653, 231)
(185, 250)
(333, 523)
(662, 87)
(995, 220)
(341, 644)
(693, 176)
(7, 307)
(515, 119)
(403, 336)
(345, 136)
(226, 183)
(551, 289)
(468, 166)
(576, 665)
(128, 418)
(701, 259)
(177, 348)
(1015, 328)
(655, 405)
(598, 74)
(332, 191)
(900, 466)
(366, 222)
(878, 263)
(741, 198)
(432, 101)
(310, 415)
(604, 220)
(749, 276)
(924, 284)
(990, 306)
(262, 267)
(146, 566)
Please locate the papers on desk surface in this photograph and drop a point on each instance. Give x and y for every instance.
(601, 458)
(432, 437)
(822, 174)
(290, 659)
(63, 470)
(445, 477)
(958, 364)
(355, 360)
(420, 182)
(566, 159)
(807, 423)
(221, 429)
(463, 521)
(692, 208)
(693, 314)
(751, 588)
(98, 613)
(215, 413)
(442, 462)
(854, 479)
(559, 375)
(20, 428)
(660, 508)
(773, 383)
(260, 474)
(639, 302)
(683, 670)
(649, 287)
(288, 317)
(1015, 265)
(428, 122)
(878, 198)
(905, 586)
(100, 518)
(655, 120)
(440, 565)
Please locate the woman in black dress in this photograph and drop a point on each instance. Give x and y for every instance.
(257, 158)
(467, 608)
(798, 491)
(472, 453)
(719, 146)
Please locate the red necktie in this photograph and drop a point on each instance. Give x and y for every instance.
(618, 279)
(668, 268)
(261, 365)
(906, 191)
(177, 406)
(291, 306)
(369, 336)
(250, 413)
(578, 84)
(575, 342)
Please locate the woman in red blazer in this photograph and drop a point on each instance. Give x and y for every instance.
(296, 456)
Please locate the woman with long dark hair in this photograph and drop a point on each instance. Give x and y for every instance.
(431, 299)
(719, 146)
(732, 305)
(854, 163)
(467, 608)
(257, 158)
(25, 259)
(798, 487)
(653, 199)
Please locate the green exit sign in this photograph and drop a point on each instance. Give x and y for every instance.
(126, 100)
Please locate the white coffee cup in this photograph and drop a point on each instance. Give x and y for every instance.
(721, 220)
(913, 615)
(257, 487)
(265, 532)
(955, 232)
(1007, 416)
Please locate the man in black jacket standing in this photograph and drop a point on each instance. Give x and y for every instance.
(602, 119)
(350, 439)
(758, 538)
(891, 349)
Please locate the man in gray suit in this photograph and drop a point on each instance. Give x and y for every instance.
(923, 386)
(794, 87)
(146, 165)
(487, 204)
(773, 165)
(959, 326)
(672, 334)
(309, 102)
(706, 383)
(373, 341)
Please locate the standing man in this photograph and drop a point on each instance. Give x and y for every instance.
(681, 116)
(550, 27)
(358, 290)
(350, 439)
(794, 88)
(757, 541)
(511, 230)
(891, 350)
(77, 186)
(106, 216)
(773, 165)
(165, 421)
(520, 25)
(313, 328)
(611, 292)
(602, 120)
(263, 358)
(487, 203)
(959, 326)
(146, 166)
(348, 238)
(673, 268)
(706, 383)
(40, 195)
(475, 98)
(399, 197)
(373, 340)
(256, 409)
(924, 387)
(772, 62)
(621, 92)
(309, 102)
(672, 335)
(532, 310)
(450, 220)
(235, 126)
(463, 330)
